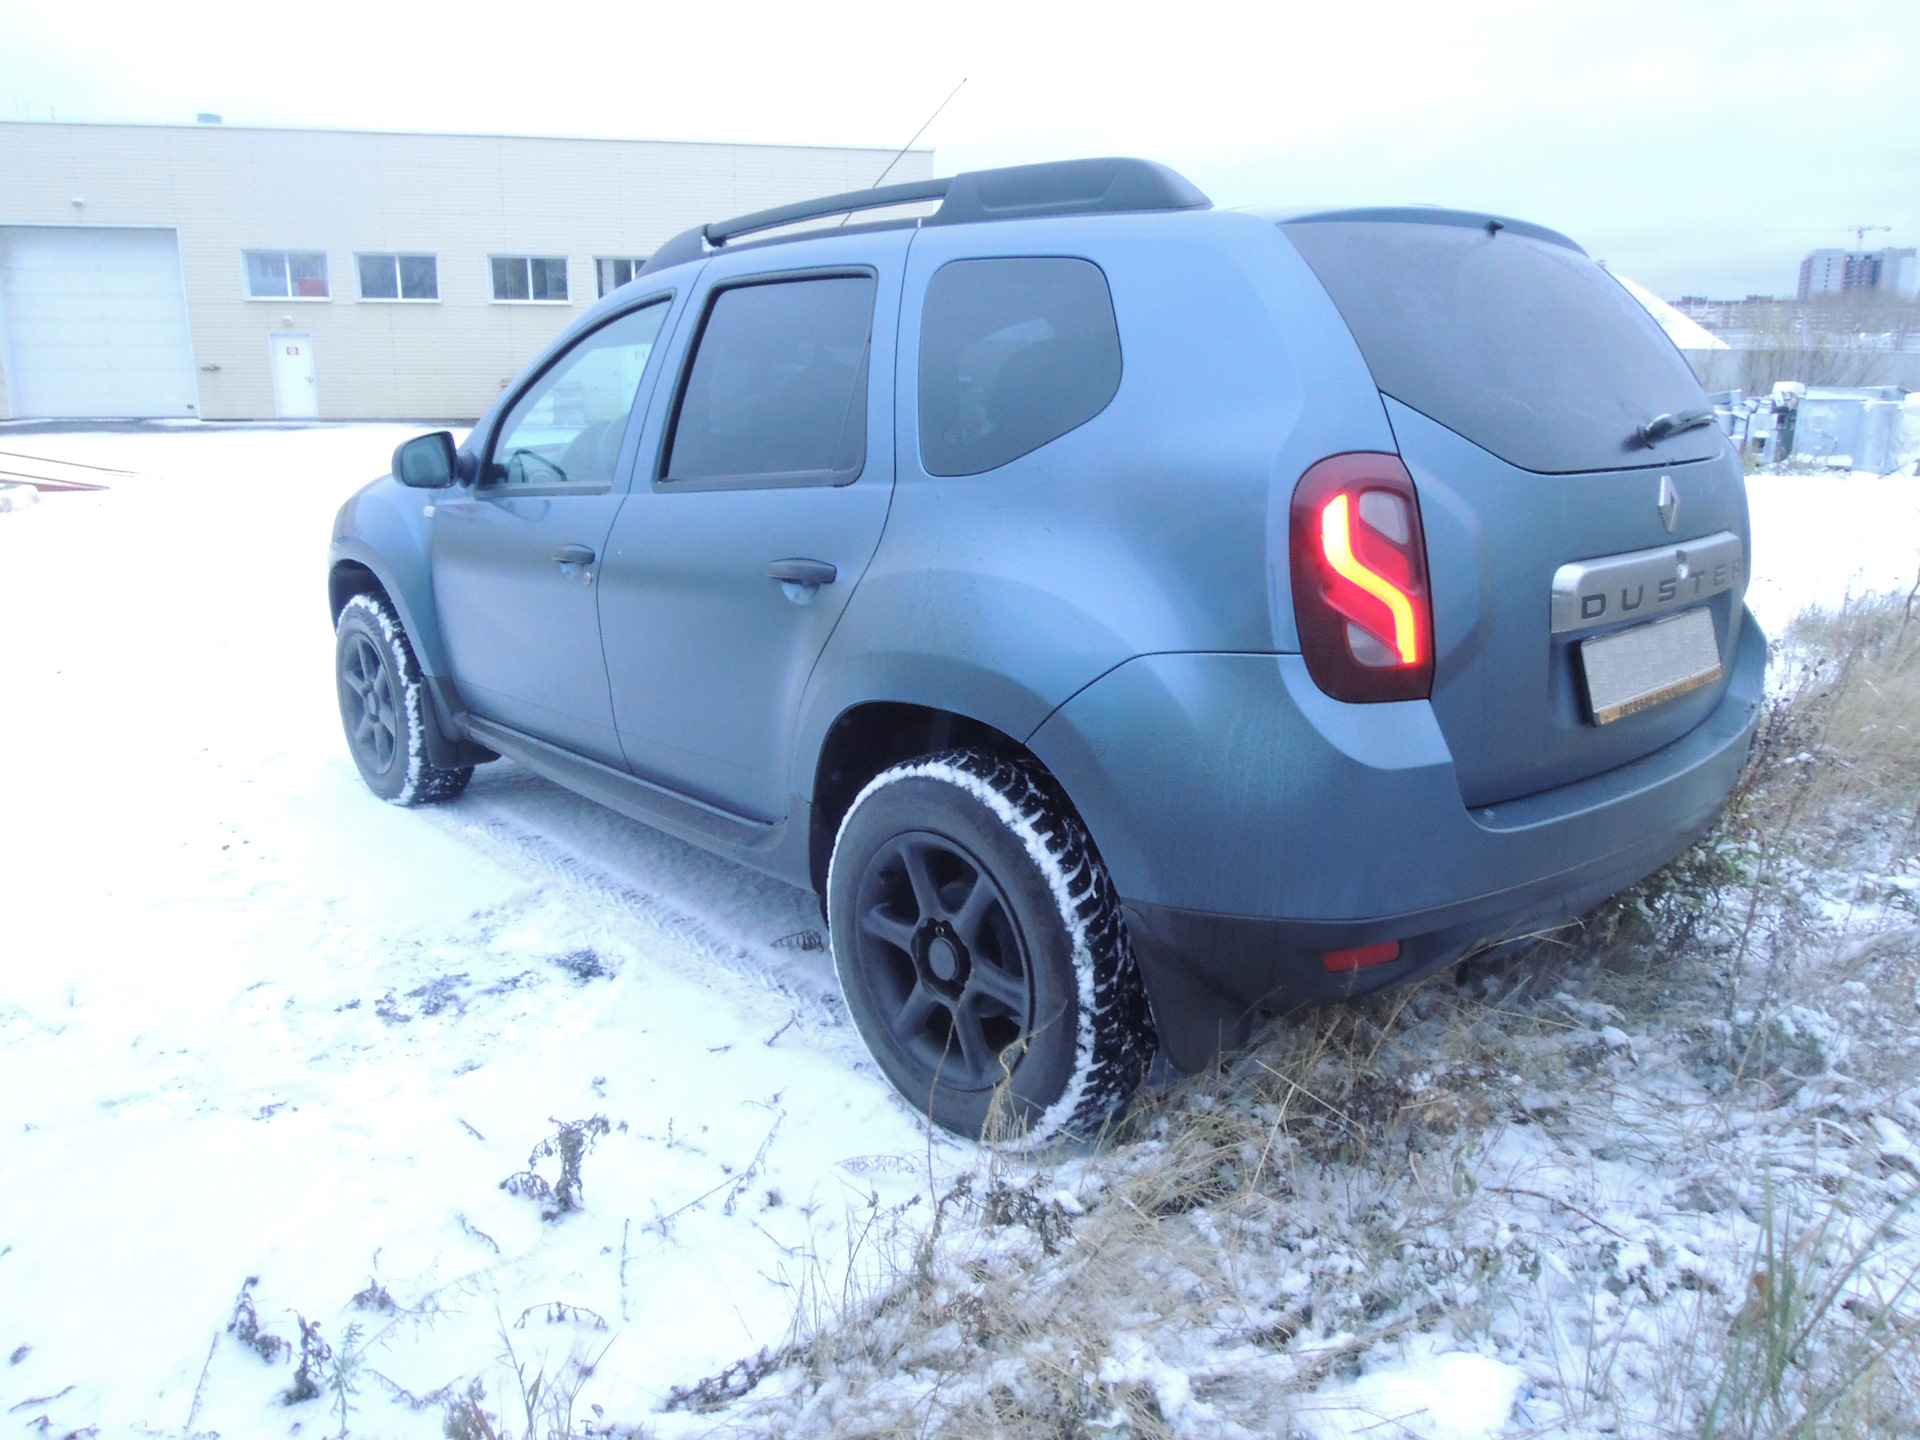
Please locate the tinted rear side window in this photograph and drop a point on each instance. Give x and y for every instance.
(778, 388)
(1525, 347)
(1013, 353)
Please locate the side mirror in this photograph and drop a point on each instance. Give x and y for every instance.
(425, 462)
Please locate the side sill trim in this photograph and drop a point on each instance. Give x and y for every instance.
(637, 799)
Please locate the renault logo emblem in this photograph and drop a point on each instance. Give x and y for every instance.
(1669, 504)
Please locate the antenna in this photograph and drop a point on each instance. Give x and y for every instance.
(1859, 231)
(924, 129)
(909, 145)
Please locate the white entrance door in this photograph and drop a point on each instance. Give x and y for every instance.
(296, 394)
(93, 323)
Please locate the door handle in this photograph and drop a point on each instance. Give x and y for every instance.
(802, 572)
(573, 555)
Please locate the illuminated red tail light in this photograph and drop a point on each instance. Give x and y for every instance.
(1360, 597)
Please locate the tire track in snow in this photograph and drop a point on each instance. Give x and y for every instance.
(694, 948)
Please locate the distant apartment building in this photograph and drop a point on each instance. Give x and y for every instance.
(1834, 272)
(226, 272)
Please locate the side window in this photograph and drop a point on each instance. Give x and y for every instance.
(778, 387)
(1013, 353)
(566, 430)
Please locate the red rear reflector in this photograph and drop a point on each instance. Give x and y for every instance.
(1339, 960)
(1359, 562)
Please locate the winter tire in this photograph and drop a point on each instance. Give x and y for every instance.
(982, 951)
(383, 706)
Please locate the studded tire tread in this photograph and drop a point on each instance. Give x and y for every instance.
(1115, 1038)
(422, 783)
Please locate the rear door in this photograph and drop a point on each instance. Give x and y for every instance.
(516, 557)
(759, 495)
(1523, 384)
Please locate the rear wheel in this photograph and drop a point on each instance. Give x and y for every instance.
(383, 706)
(982, 951)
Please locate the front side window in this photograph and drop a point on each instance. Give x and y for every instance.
(399, 277)
(778, 386)
(565, 432)
(615, 271)
(1013, 354)
(286, 275)
(529, 277)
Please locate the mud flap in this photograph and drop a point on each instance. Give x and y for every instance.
(1197, 1025)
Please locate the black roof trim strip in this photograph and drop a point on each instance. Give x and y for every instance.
(1115, 185)
(1109, 186)
(877, 198)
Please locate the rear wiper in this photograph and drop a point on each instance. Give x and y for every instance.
(1662, 426)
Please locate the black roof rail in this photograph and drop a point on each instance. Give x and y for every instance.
(1111, 186)
(1114, 185)
(877, 198)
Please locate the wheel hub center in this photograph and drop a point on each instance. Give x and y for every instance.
(942, 958)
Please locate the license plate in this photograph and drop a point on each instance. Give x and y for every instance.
(1634, 670)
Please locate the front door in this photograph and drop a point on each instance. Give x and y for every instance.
(296, 393)
(516, 557)
(758, 499)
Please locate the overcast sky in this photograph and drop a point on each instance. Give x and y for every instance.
(1695, 145)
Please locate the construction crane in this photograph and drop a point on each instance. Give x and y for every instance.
(1860, 234)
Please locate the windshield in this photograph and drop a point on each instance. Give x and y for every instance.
(1526, 347)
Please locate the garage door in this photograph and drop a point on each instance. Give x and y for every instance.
(93, 323)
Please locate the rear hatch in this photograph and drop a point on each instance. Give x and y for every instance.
(1526, 387)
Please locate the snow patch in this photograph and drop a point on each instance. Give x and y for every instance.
(1423, 1393)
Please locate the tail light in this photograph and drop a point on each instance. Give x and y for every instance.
(1360, 597)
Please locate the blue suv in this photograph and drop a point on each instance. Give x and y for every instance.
(1131, 618)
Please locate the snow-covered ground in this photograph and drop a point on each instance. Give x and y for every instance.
(1819, 540)
(256, 1023)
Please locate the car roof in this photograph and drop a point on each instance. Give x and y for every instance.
(1108, 186)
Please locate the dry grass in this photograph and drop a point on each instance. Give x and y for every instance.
(1351, 1179)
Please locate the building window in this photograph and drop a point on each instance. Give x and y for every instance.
(615, 272)
(530, 277)
(286, 275)
(399, 277)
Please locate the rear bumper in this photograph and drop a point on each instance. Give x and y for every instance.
(1252, 824)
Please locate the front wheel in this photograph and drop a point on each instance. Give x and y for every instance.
(982, 951)
(383, 706)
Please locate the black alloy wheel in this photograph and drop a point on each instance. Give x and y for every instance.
(383, 706)
(945, 958)
(982, 950)
(369, 704)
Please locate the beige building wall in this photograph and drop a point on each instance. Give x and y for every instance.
(228, 189)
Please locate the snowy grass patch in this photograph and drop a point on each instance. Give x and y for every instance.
(1655, 1176)
(255, 1023)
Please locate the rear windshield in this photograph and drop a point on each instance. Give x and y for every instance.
(1527, 348)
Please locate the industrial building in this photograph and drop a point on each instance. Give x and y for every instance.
(229, 272)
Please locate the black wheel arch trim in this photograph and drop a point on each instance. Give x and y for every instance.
(449, 744)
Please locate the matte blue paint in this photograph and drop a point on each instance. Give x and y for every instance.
(1230, 784)
(1118, 599)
